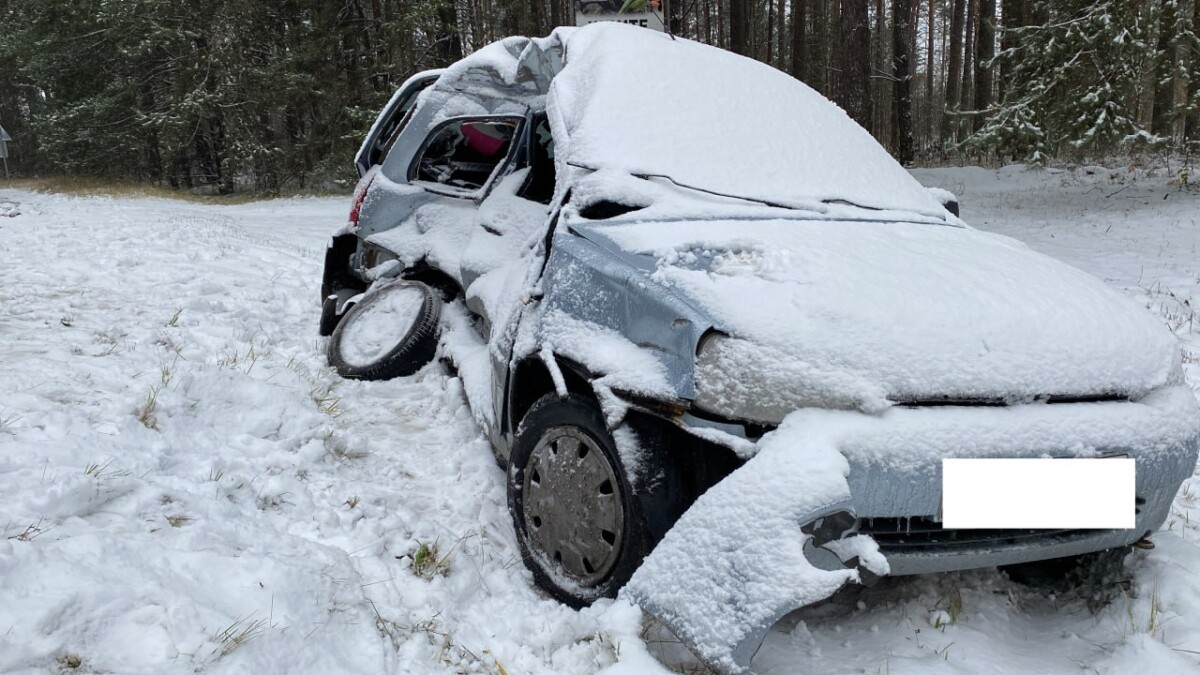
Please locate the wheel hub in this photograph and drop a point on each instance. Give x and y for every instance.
(572, 507)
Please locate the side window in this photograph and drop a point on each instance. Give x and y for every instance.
(464, 153)
(391, 130)
(389, 124)
(539, 186)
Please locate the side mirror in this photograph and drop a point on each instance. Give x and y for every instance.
(946, 198)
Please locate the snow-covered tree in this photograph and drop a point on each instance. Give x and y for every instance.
(1078, 78)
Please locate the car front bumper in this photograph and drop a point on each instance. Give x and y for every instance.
(896, 473)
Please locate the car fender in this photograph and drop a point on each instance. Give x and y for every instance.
(589, 284)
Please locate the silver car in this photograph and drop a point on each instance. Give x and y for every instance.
(641, 254)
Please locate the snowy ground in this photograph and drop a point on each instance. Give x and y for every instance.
(186, 487)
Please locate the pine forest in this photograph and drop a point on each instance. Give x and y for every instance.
(234, 95)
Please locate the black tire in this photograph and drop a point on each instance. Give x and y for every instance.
(639, 533)
(415, 344)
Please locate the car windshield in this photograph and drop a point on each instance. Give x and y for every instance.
(718, 122)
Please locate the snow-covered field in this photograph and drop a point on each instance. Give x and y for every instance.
(186, 487)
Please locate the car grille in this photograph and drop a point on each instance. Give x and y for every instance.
(924, 533)
(975, 402)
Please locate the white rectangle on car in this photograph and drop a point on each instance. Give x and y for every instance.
(1038, 493)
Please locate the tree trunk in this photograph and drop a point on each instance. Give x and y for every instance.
(556, 13)
(817, 52)
(739, 33)
(930, 102)
(881, 101)
(781, 31)
(814, 49)
(722, 34)
(854, 67)
(985, 51)
(954, 76)
(1165, 95)
(1146, 97)
(449, 44)
(673, 13)
(800, 39)
(770, 60)
(708, 22)
(1012, 17)
(902, 76)
(967, 96)
(1192, 129)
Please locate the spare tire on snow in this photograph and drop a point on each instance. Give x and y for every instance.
(392, 332)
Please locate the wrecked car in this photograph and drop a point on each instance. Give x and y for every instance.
(698, 311)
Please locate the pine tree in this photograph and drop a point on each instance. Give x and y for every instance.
(1075, 83)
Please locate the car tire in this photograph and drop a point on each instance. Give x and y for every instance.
(582, 528)
(391, 332)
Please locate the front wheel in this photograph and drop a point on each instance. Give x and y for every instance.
(580, 525)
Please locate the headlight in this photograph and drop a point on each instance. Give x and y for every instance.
(729, 384)
(743, 380)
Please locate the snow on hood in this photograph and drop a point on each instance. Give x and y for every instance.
(644, 103)
(863, 314)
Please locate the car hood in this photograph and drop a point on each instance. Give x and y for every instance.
(868, 314)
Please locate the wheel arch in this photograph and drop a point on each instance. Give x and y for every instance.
(435, 278)
(531, 379)
(698, 463)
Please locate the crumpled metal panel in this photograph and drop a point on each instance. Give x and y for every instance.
(591, 284)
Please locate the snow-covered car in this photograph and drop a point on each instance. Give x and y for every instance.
(640, 275)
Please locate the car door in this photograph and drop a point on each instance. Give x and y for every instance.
(513, 223)
(423, 205)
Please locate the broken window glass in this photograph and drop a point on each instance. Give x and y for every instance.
(464, 154)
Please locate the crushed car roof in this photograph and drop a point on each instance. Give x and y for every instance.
(640, 102)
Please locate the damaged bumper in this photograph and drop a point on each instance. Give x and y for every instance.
(756, 545)
(896, 479)
(770, 538)
(896, 458)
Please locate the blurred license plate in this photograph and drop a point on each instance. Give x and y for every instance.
(1038, 493)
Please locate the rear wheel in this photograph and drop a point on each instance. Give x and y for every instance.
(391, 332)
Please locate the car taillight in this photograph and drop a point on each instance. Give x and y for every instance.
(360, 195)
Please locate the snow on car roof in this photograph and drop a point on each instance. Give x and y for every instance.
(643, 103)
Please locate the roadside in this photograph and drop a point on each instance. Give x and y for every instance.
(1141, 235)
(189, 488)
(77, 186)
